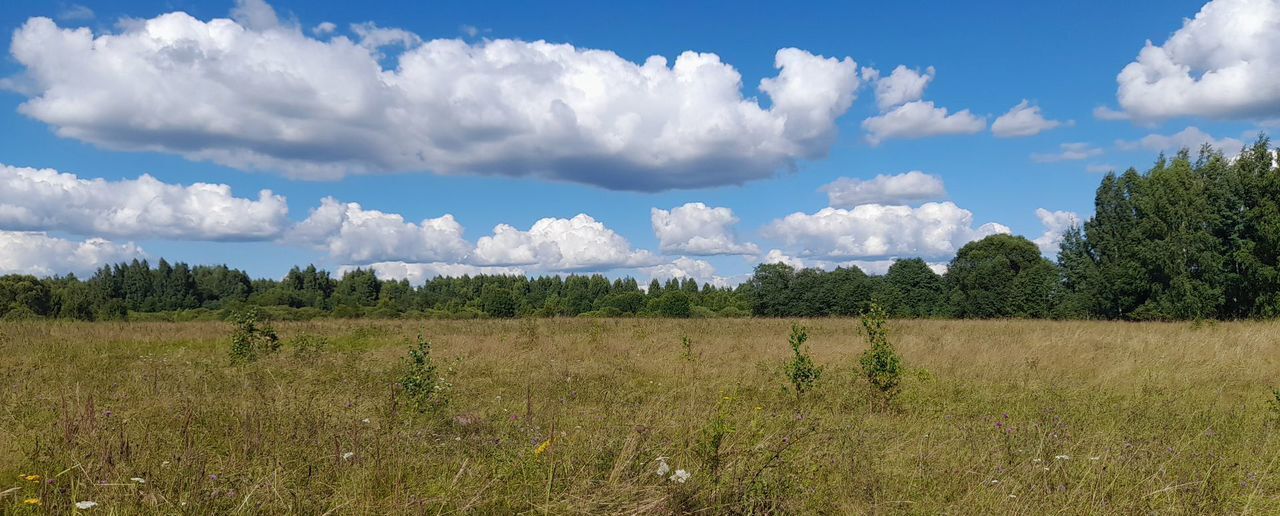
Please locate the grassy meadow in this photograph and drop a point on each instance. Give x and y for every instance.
(569, 416)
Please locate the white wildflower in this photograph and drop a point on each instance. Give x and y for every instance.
(86, 505)
(365, 420)
(681, 476)
(663, 468)
(1035, 461)
(1095, 458)
(348, 455)
(1062, 457)
(139, 480)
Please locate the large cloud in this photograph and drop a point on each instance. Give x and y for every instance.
(1225, 63)
(905, 188)
(904, 115)
(698, 229)
(39, 254)
(354, 235)
(551, 244)
(45, 199)
(257, 95)
(419, 273)
(879, 231)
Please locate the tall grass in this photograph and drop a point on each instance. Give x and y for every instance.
(572, 416)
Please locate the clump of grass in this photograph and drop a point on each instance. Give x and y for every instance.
(422, 383)
(880, 363)
(252, 337)
(801, 369)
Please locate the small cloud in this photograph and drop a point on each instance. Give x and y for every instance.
(324, 29)
(75, 13)
(1106, 113)
(472, 31)
(1068, 152)
(1099, 168)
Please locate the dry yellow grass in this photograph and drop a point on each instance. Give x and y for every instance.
(1017, 417)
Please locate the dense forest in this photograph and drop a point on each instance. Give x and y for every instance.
(1188, 239)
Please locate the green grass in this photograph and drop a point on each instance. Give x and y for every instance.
(1167, 418)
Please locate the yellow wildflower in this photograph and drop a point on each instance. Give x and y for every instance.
(32, 478)
(542, 448)
(32, 501)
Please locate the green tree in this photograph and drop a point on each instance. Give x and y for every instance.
(1002, 276)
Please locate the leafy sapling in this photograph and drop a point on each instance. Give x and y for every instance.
(880, 363)
(801, 370)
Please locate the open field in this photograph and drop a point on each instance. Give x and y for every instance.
(1019, 417)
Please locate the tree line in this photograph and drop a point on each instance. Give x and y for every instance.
(1190, 238)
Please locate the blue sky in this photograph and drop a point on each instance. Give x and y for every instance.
(1062, 57)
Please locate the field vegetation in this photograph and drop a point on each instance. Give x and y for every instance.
(574, 415)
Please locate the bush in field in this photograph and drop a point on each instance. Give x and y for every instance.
(421, 380)
(801, 370)
(307, 346)
(880, 363)
(253, 337)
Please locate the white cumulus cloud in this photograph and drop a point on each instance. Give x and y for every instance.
(39, 254)
(354, 235)
(902, 86)
(419, 273)
(1055, 223)
(552, 244)
(1023, 119)
(48, 200)
(877, 231)
(1224, 63)
(254, 94)
(698, 229)
(699, 271)
(905, 116)
(1190, 138)
(906, 188)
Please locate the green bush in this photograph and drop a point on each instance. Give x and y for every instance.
(801, 370)
(421, 380)
(253, 337)
(880, 363)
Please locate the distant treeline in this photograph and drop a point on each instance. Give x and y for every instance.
(1189, 239)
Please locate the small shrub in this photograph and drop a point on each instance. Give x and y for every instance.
(801, 370)
(686, 348)
(421, 381)
(253, 337)
(880, 363)
(308, 346)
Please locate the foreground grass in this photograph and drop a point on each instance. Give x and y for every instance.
(1023, 417)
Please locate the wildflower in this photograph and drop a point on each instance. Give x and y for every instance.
(759, 407)
(35, 502)
(31, 478)
(86, 505)
(365, 420)
(542, 448)
(994, 482)
(681, 476)
(663, 467)
(1095, 458)
(139, 480)
(348, 455)
(1035, 461)
(1013, 496)
(164, 463)
(1062, 457)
